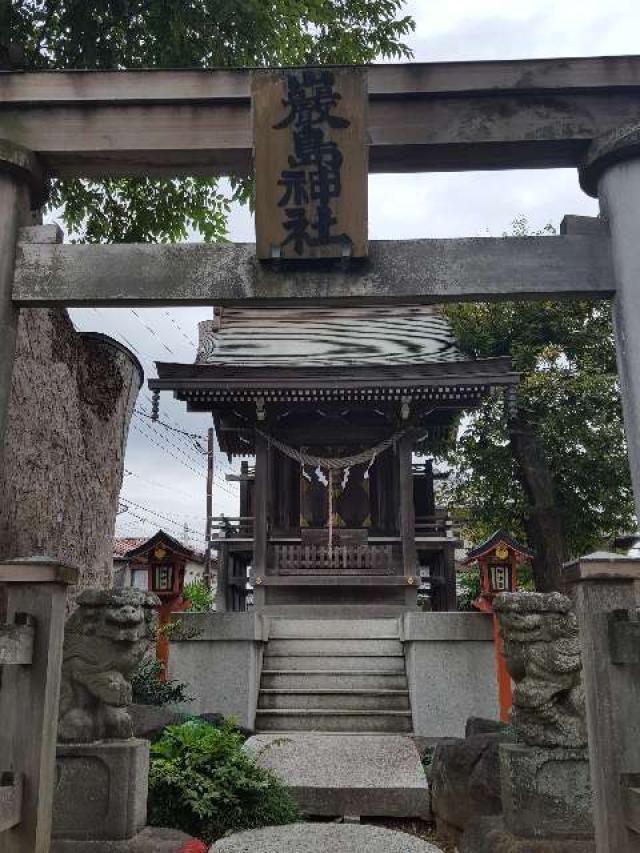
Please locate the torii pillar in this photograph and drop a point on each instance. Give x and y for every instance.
(23, 188)
(611, 173)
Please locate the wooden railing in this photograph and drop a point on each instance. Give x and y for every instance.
(298, 559)
(440, 524)
(230, 527)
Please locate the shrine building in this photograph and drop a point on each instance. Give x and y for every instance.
(334, 405)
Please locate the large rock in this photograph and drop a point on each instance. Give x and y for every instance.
(489, 835)
(465, 781)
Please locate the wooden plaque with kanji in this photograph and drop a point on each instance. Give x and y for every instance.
(311, 162)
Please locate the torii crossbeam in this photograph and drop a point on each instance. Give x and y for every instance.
(421, 117)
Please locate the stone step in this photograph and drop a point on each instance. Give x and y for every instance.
(335, 647)
(324, 838)
(333, 679)
(373, 775)
(357, 700)
(322, 663)
(366, 629)
(331, 720)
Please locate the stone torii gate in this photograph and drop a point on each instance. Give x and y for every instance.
(582, 113)
(421, 117)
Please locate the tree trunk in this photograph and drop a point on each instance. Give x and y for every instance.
(72, 398)
(544, 524)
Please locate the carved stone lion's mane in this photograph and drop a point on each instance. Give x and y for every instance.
(105, 640)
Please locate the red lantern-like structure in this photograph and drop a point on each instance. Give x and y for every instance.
(164, 559)
(498, 558)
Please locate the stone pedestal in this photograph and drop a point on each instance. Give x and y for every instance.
(546, 792)
(100, 793)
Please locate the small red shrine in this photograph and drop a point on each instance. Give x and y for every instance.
(498, 558)
(165, 560)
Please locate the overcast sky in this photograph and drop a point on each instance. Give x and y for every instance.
(165, 470)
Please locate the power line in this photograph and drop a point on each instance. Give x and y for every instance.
(154, 524)
(180, 329)
(169, 441)
(162, 445)
(166, 518)
(151, 438)
(192, 435)
(151, 330)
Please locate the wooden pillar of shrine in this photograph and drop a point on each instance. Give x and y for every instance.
(260, 513)
(406, 515)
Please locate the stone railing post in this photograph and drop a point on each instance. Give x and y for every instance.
(22, 188)
(31, 655)
(606, 591)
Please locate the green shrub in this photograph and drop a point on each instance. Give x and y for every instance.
(149, 689)
(198, 594)
(426, 757)
(468, 584)
(201, 782)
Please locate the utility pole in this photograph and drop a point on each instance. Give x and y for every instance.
(207, 533)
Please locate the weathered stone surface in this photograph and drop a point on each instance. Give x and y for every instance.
(482, 726)
(101, 790)
(395, 271)
(105, 640)
(542, 653)
(152, 839)
(546, 792)
(322, 838)
(71, 399)
(465, 782)
(337, 775)
(489, 835)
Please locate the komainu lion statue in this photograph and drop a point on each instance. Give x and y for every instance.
(105, 640)
(542, 653)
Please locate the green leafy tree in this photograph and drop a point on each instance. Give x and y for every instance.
(117, 34)
(199, 596)
(555, 471)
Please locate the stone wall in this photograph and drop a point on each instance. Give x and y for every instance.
(450, 661)
(219, 658)
(71, 401)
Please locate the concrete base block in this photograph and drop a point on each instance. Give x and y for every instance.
(546, 793)
(101, 790)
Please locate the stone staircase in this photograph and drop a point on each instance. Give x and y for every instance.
(334, 675)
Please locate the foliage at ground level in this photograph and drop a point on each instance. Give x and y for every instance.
(202, 782)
